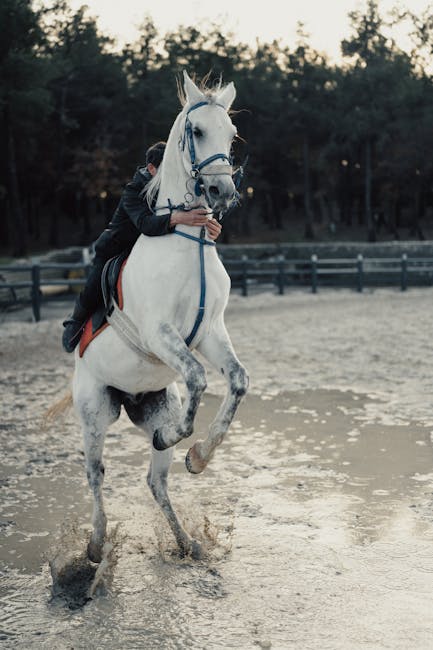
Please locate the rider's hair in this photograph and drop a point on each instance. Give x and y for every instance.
(155, 153)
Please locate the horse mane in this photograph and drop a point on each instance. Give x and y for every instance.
(152, 187)
(211, 94)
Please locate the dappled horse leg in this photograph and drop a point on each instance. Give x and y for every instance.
(218, 350)
(160, 411)
(97, 407)
(172, 350)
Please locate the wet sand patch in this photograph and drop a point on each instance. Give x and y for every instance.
(308, 510)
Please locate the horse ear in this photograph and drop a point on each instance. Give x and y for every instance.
(193, 94)
(227, 96)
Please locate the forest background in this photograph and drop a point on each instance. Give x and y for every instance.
(335, 151)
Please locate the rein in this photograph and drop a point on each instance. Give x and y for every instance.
(202, 243)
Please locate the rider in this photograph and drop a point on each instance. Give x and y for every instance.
(133, 216)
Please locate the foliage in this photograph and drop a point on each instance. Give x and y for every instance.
(329, 146)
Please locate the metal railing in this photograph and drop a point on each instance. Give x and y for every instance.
(245, 273)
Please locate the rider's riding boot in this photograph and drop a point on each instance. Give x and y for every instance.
(74, 326)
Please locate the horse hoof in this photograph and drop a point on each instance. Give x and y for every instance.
(196, 550)
(195, 464)
(94, 552)
(191, 549)
(158, 442)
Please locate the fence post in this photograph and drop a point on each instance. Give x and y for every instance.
(360, 266)
(245, 275)
(280, 276)
(404, 272)
(314, 273)
(36, 294)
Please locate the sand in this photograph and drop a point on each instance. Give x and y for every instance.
(316, 512)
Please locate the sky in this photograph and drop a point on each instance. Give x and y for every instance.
(325, 20)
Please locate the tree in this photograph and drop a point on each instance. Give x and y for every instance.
(309, 83)
(370, 92)
(89, 90)
(24, 101)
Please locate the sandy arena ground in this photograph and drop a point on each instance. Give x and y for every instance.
(316, 512)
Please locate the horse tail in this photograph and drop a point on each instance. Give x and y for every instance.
(59, 408)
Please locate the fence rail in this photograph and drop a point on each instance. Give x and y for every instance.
(41, 277)
(245, 273)
(358, 272)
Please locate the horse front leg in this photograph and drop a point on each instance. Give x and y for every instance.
(218, 350)
(171, 349)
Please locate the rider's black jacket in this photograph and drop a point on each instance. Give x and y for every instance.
(133, 216)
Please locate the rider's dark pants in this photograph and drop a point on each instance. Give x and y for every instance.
(108, 245)
(91, 296)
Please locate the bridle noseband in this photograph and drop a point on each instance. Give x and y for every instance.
(196, 167)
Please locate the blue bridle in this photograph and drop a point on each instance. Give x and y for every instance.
(196, 168)
(202, 242)
(196, 172)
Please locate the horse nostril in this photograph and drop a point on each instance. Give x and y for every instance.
(213, 190)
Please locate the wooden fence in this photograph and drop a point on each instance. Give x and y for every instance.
(35, 283)
(356, 272)
(41, 282)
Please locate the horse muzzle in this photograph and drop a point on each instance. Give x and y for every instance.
(220, 191)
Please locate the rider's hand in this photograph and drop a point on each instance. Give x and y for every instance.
(194, 217)
(213, 228)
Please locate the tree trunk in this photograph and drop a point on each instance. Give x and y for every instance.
(4, 223)
(345, 195)
(55, 215)
(308, 232)
(391, 211)
(19, 234)
(324, 209)
(54, 226)
(371, 232)
(245, 220)
(415, 227)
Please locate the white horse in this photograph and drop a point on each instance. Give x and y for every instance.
(175, 290)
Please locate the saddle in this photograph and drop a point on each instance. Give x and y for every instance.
(111, 281)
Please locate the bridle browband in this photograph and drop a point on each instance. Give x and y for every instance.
(197, 168)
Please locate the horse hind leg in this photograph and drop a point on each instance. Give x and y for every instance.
(97, 407)
(160, 412)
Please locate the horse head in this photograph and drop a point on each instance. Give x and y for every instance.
(206, 142)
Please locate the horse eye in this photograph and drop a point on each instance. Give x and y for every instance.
(198, 132)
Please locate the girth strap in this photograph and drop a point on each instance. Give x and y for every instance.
(128, 332)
